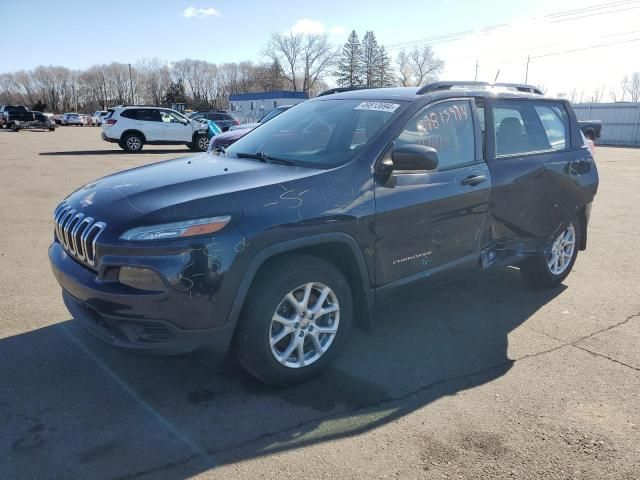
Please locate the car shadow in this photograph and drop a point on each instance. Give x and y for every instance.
(71, 407)
(116, 151)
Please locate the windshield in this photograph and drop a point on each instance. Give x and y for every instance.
(273, 113)
(320, 134)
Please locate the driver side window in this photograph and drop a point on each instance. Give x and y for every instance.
(447, 127)
(169, 117)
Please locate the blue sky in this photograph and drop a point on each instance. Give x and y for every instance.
(82, 33)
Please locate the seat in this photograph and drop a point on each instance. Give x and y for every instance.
(509, 137)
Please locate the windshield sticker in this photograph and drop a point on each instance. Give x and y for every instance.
(378, 106)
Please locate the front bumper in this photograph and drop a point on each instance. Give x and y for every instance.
(142, 322)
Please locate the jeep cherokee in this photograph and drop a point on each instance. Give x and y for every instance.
(277, 245)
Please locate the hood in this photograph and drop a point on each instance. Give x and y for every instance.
(230, 136)
(244, 126)
(179, 189)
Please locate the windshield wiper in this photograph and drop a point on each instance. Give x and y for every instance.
(219, 149)
(263, 157)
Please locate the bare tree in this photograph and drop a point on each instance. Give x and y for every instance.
(286, 49)
(597, 95)
(155, 78)
(631, 86)
(576, 96)
(405, 72)
(303, 58)
(318, 58)
(425, 65)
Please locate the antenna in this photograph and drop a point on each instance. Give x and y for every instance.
(497, 74)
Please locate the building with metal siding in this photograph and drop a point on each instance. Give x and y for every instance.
(250, 107)
(620, 121)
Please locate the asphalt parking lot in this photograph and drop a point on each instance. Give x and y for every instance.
(481, 378)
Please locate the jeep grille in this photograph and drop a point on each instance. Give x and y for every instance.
(77, 233)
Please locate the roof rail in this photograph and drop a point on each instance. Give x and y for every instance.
(331, 91)
(436, 86)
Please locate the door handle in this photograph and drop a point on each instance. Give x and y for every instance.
(473, 180)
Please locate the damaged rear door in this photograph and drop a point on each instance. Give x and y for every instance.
(533, 193)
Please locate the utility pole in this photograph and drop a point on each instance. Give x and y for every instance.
(130, 84)
(526, 75)
(476, 79)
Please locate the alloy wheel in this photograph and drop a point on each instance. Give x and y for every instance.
(562, 251)
(304, 325)
(134, 143)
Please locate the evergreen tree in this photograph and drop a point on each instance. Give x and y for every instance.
(349, 69)
(384, 76)
(39, 106)
(370, 51)
(175, 93)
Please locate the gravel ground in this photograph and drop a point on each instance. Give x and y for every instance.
(481, 378)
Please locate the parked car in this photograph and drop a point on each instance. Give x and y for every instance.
(73, 119)
(12, 116)
(592, 129)
(44, 121)
(57, 118)
(132, 127)
(97, 117)
(299, 229)
(223, 119)
(238, 131)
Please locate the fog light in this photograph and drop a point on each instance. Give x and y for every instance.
(141, 278)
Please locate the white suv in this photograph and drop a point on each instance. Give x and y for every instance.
(96, 118)
(133, 126)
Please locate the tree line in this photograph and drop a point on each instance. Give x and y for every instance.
(627, 90)
(292, 61)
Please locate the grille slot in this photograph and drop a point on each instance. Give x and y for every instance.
(77, 234)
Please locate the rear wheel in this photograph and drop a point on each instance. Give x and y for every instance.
(295, 321)
(132, 142)
(548, 270)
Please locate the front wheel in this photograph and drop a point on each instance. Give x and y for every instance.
(295, 321)
(550, 269)
(200, 143)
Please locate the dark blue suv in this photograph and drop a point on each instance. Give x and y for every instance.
(302, 227)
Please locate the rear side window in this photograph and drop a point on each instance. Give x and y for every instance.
(148, 115)
(526, 127)
(554, 121)
(132, 113)
(447, 127)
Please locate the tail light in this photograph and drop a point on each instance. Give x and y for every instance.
(237, 122)
(110, 122)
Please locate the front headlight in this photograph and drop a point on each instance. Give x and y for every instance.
(189, 228)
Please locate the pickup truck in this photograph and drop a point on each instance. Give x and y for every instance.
(275, 246)
(591, 129)
(13, 115)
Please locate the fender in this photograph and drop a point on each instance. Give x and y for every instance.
(132, 130)
(312, 240)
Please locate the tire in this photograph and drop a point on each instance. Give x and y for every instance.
(590, 135)
(540, 272)
(268, 298)
(52, 129)
(201, 143)
(132, 143)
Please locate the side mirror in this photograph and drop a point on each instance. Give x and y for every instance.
(414, 157)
